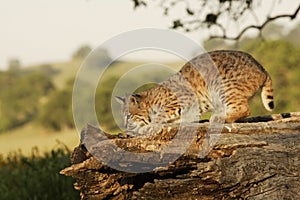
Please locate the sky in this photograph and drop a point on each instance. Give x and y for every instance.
(50, 30)
(41, 31)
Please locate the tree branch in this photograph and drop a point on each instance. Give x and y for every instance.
(258, 27)
(209, 14)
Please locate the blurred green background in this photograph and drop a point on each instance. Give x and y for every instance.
(37, 132)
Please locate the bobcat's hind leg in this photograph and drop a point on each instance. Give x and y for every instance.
(237, 110)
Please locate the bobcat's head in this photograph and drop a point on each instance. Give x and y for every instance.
(135, 112)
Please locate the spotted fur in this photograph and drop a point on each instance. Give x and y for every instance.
(200, 87)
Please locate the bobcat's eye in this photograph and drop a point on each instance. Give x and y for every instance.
(145, 121)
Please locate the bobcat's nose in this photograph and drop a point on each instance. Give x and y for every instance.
(131, 127)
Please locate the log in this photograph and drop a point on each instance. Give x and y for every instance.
(258, 158)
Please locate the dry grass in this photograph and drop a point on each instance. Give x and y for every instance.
(26, 138)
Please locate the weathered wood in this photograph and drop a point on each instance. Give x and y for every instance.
(259, 160)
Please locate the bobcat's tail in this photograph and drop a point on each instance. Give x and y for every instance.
(267, 94)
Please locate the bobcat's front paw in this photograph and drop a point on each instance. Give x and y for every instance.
(145, 131)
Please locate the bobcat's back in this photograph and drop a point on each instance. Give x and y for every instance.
(196, 84)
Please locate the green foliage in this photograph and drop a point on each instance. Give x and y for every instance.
(293, 36)
(36, 177)
(210, 45)
(20, 96)
(82, 52)
(47, 70)
(57, 111)
(14, 65)
(281, 59)
(103, 105)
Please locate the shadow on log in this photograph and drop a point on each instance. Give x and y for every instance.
(255, 159)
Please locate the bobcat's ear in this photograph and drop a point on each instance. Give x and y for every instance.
(120, 100)
(135, 98)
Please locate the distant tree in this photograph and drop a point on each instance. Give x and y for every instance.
(99, 58)
(217, 15)
(273, 31)
(56, 113)
(20, 98)
(14, 64)
(293, 36)
(47, 70)
(210, 45)
(82, 52)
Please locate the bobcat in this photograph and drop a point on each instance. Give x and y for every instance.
(200, 87)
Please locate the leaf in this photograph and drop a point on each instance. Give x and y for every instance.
(166, 11)
(189, 11)
(211, 18)
(177, 23)
(138, 3)
(223, 1)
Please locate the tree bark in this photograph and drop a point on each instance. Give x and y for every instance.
(257, 160)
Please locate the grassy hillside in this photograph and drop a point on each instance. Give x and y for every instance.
(63, 71)
(32, 135)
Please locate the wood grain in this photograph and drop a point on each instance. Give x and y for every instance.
(258, 160)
